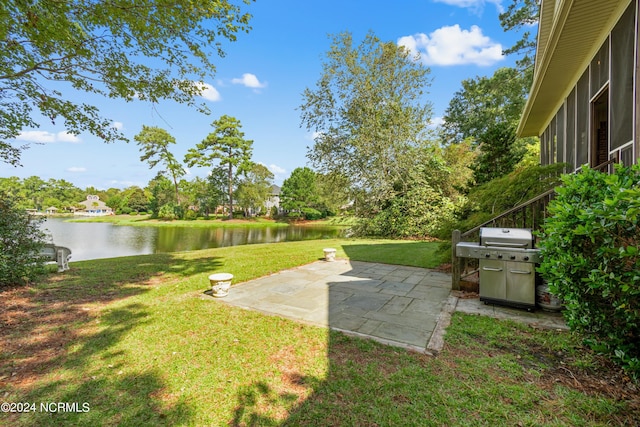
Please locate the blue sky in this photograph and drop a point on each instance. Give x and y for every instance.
(262, 77)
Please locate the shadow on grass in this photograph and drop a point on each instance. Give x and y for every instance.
(490, 373)
(368, 299)
(60, 325)
(109, 394)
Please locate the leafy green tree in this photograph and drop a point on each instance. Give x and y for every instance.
(522, 14)
(368, 109)
(334, 192)
(117, 202)
(203, 194)
(34, 191)
(154, 144)
(486, 111)
(116, 49)
(67, 193)
(136, 199)
(227, 145)
(161, 190)
(421, 207)
(255, 188)
(217, 188)
(299, 190)
(21, 239)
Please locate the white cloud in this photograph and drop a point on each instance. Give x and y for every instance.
(210, 93)
(76, 169)
(454, 46)
(117, 125)
(36, 136)
(277, 170)
(435, 122)
(43, 137)
(476, 6)
(313, 136)
(67, 137)
(249, 80)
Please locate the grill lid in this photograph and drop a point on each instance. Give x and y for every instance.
(506, 237)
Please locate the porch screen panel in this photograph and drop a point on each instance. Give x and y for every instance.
(543, 147)
(552, 144)
(600, 68)
(622, 63)
(626, 156)
(582, 120)
(571, 131)
(560, 135)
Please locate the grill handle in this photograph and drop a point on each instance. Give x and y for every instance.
(507, 244)
(519, 272)
(491, 269)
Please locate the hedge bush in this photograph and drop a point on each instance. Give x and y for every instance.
(589, 247)
(21, 239)
(418, 213)
(311, 214)
(171, 211)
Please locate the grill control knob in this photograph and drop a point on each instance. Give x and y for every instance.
(526, 258)
(512, 257)
(487, 255)
(499, 256)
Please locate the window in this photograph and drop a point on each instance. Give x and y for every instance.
(626, 155)
(622, 64)
(571, 131)
(553, 140)
(582, 120)
(600, 68)
(560, 135)
(543, 147)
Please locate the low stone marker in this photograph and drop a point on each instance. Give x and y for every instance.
(329, 254)
(220, 284)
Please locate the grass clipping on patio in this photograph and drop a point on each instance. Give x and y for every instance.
(133, 341)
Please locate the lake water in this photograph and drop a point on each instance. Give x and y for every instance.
(93, 240)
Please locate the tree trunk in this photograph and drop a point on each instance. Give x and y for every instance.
(175, 184)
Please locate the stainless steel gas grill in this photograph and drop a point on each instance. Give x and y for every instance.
(507, 260)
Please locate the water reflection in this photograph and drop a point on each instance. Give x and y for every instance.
(103, 240)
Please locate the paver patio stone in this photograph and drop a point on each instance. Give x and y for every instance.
(392, 304)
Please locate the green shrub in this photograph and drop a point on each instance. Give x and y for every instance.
(489, 200)
(170, 211)
(191, 215)
(311, 214)
(294, 216)
(590, 251)
(417, 213)
(21, 240)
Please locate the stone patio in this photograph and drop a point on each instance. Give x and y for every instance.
(396, 305)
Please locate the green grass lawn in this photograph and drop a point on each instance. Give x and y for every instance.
(135, 340)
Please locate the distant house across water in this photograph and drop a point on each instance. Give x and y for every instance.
(93, 206)
(273, 200)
